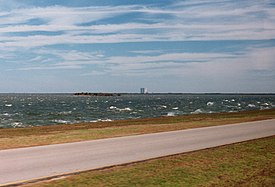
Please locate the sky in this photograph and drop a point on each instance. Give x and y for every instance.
(185, 46)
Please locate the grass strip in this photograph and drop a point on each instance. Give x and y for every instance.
(55, 134)
(250, 163)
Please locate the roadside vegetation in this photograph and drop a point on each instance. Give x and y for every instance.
(249, 163)
(55, 134)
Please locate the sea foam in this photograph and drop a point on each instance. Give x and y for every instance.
(251, 105)
(171, 114)
(198, 111)
(210, 103)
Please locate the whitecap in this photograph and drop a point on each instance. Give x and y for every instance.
(263, 108)
(8, 105)
(198, 111)
(65, 112)
(17, 124)
(175, 108)
(104, 120)
(112, 107)
(230, 106)
(171, 114)
(61, 121)
(210, 103)
(120, 109)
(163, 106)
(232, 100)
(251, 105)
(124, 109)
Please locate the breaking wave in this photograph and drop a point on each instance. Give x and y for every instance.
(198, 111)
(120, 109)
(210, 103)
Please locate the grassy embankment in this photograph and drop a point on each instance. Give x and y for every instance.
(249, 163)
(24, 137)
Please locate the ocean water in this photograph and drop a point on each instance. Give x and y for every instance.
(25, 110)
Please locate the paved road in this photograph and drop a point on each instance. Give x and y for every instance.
(17, 165)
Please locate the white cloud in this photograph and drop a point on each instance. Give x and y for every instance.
(59, 15)
(257, 58)
(54, 67)
(208, 65)
(187, 21)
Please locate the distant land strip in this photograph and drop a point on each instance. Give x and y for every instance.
(96, 94)
(171, 93)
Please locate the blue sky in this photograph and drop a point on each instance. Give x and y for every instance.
(122, 45)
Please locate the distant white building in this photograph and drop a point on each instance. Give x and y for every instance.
(143, 90)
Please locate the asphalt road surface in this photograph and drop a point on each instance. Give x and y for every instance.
(25, 164)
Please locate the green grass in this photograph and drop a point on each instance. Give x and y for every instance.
(249, 163)
(55, 134)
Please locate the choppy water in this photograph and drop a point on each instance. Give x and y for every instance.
(23, 110)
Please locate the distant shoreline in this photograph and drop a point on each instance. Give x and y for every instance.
(132, 93)
(125, 93)
(96, 94)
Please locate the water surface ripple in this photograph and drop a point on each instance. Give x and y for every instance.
(24, 110)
